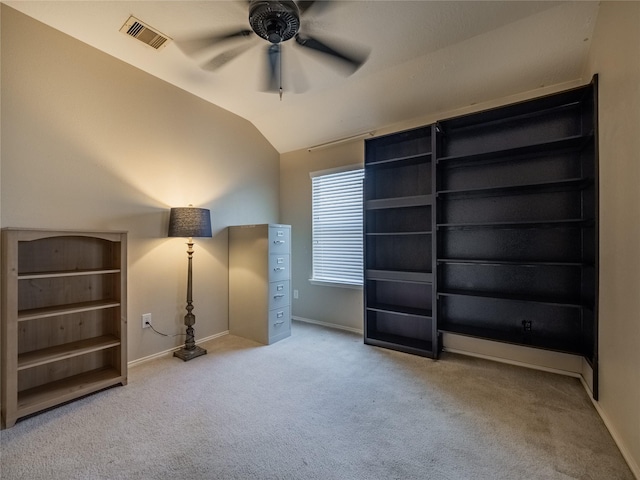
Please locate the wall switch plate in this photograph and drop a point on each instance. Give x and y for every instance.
(146, 320)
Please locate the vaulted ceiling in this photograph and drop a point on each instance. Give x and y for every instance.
(423, 57)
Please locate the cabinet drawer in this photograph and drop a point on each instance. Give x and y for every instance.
(279, 323)
(278, 267)
(279, 294)
(279, 239)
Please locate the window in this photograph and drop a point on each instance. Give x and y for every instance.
(337, 226)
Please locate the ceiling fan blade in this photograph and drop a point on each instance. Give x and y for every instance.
(225, 57)
(272, 81)
(295, 75)
(193, 45)
(318, 5)
(352, 58)
(304, 5)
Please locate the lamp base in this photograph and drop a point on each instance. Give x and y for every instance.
(187, 355)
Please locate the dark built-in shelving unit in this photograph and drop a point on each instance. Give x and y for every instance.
(486, 225)
(399, 244)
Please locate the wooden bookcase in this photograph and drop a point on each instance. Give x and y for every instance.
(64, 326)
(399, 243)
(517, 223)
(486, 225)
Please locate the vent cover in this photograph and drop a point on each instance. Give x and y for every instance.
(143, 32)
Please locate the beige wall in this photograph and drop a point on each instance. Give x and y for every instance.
(333, 305)
(615, 55)
(89, 142)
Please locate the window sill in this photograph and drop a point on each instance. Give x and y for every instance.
(327, 283)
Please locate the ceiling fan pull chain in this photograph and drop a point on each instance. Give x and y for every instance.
(280, 73)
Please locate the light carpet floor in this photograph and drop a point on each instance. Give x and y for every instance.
(319, 405)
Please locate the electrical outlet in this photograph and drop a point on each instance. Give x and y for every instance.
(146, 320)
(295, 294)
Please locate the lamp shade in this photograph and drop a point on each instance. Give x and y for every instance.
(189, 222)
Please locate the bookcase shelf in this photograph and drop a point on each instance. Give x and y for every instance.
(564, 223)
(66, 350)
(63, 317)
(69, 388)
(561, 302)
(512, 154)
(555, 185)
(57, 310)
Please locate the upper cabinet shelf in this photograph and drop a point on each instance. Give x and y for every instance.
(418, 158)
(412, 145)
(554, 122)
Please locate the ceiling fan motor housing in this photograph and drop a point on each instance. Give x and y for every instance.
(275, 20)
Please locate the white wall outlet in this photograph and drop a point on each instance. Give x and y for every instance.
(146, 320)
(295, 294)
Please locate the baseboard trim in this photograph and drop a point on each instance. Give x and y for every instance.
(329, 325)
(169, 352)
(516, 363)
(633, 465)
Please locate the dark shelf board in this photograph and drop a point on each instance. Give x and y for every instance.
(513, 113)
(398, 276)
(399, 202)
(402, 344)
(546, 342)
(566, 303)
(572, 143)
(557, 185)
(426, 157)
(566, 223)
(391, 234)
(400, 310)
(516, 263)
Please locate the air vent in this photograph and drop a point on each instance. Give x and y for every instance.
(143, 32)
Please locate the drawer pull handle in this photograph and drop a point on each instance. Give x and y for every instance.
(280, 295)
(278, 242)
(278, 269)
(279, 323)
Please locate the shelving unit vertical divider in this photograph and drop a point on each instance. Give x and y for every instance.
(435, 148)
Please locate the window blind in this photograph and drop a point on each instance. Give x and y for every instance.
(337, 226)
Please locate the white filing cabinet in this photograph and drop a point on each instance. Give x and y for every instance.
(260, 282)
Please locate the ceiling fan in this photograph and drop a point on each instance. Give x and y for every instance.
(275, 21)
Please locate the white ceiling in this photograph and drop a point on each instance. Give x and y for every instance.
(425, 57)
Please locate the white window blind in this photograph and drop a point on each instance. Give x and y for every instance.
(337, 226)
